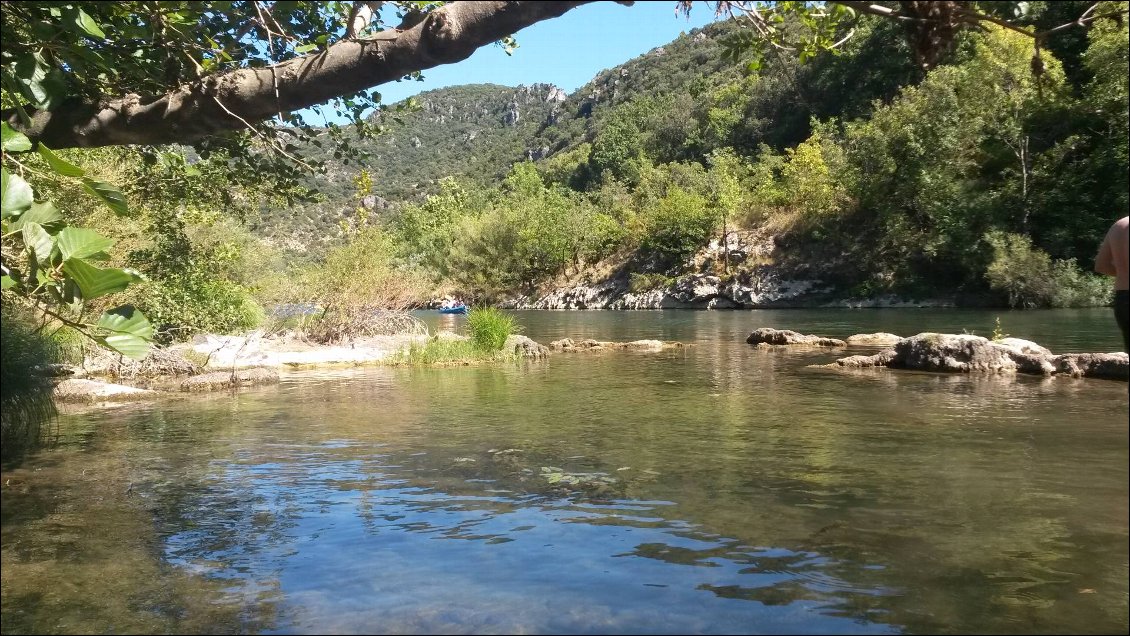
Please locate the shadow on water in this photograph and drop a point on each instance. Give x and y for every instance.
(713, 490)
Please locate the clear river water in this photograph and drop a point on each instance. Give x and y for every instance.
(712, 489)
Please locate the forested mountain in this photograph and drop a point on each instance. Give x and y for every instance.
(476, 133)
(993, 175)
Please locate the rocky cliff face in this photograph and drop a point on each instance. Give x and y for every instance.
(755, 280)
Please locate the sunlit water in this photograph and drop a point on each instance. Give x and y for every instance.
(716, 489)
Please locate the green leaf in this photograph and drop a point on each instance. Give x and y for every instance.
(40, 242)
(13, 140)
(45, 214)
(305, 48)
(94, 282)
(44, 86)
(7, 282)
(15, 194)
(85, 23)
(130, 332)
(58, 164)
(111, 196)
(80, 242)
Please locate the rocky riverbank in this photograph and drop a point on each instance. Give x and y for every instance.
(212, 363)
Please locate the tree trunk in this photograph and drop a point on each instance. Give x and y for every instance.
(235, 100)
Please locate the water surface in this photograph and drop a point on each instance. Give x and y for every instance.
(716, 489)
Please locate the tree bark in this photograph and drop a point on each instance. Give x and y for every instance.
(230, 101)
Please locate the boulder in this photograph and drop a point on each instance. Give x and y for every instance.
(75, 390)
(878, 339)
(1110, 366)
(955, 353)
(964, 353)
(1022, 346)
(785, 337)
(230, 379)
(525, 347)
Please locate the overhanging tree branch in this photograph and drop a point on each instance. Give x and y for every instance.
(224, 102)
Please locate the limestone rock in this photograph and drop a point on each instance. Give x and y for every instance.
(230, 379)
(1019, 345)
(964, 353)
(1110, 366)
(783, 337)
(75, 390)
(568, 345)
(880, 338)
(881, 359)
(956, 353)
(525, 347)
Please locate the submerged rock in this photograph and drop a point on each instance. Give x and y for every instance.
(568, 345)
(862, 362)
(785, 337)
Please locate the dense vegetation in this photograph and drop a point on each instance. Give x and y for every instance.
(979, 178)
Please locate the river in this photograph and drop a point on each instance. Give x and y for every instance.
(712, 489)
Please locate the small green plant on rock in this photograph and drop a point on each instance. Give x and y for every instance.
(998, 333)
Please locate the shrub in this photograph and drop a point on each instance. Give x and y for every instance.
(1077, 288)
(678, 225)
(354, 288)
(1020, 271)
(25, 397)
(489, 328)
(181, 306)
(1030, 277)
(638, 283)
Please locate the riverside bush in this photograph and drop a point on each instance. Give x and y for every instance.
(1030, 278)
(638, 283)
(489, 328)
(25, 396)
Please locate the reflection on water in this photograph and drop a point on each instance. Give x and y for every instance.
(713, 490)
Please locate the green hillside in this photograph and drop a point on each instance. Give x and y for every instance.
(979, 178)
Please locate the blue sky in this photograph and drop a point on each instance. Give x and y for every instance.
(567, 51)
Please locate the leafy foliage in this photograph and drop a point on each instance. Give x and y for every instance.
(352, 289)
(489, 328)
(1030, 278)
(25, 396)
(49, 265)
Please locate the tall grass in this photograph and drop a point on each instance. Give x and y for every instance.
(489, 328)
(25, 396)
(438, 351)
